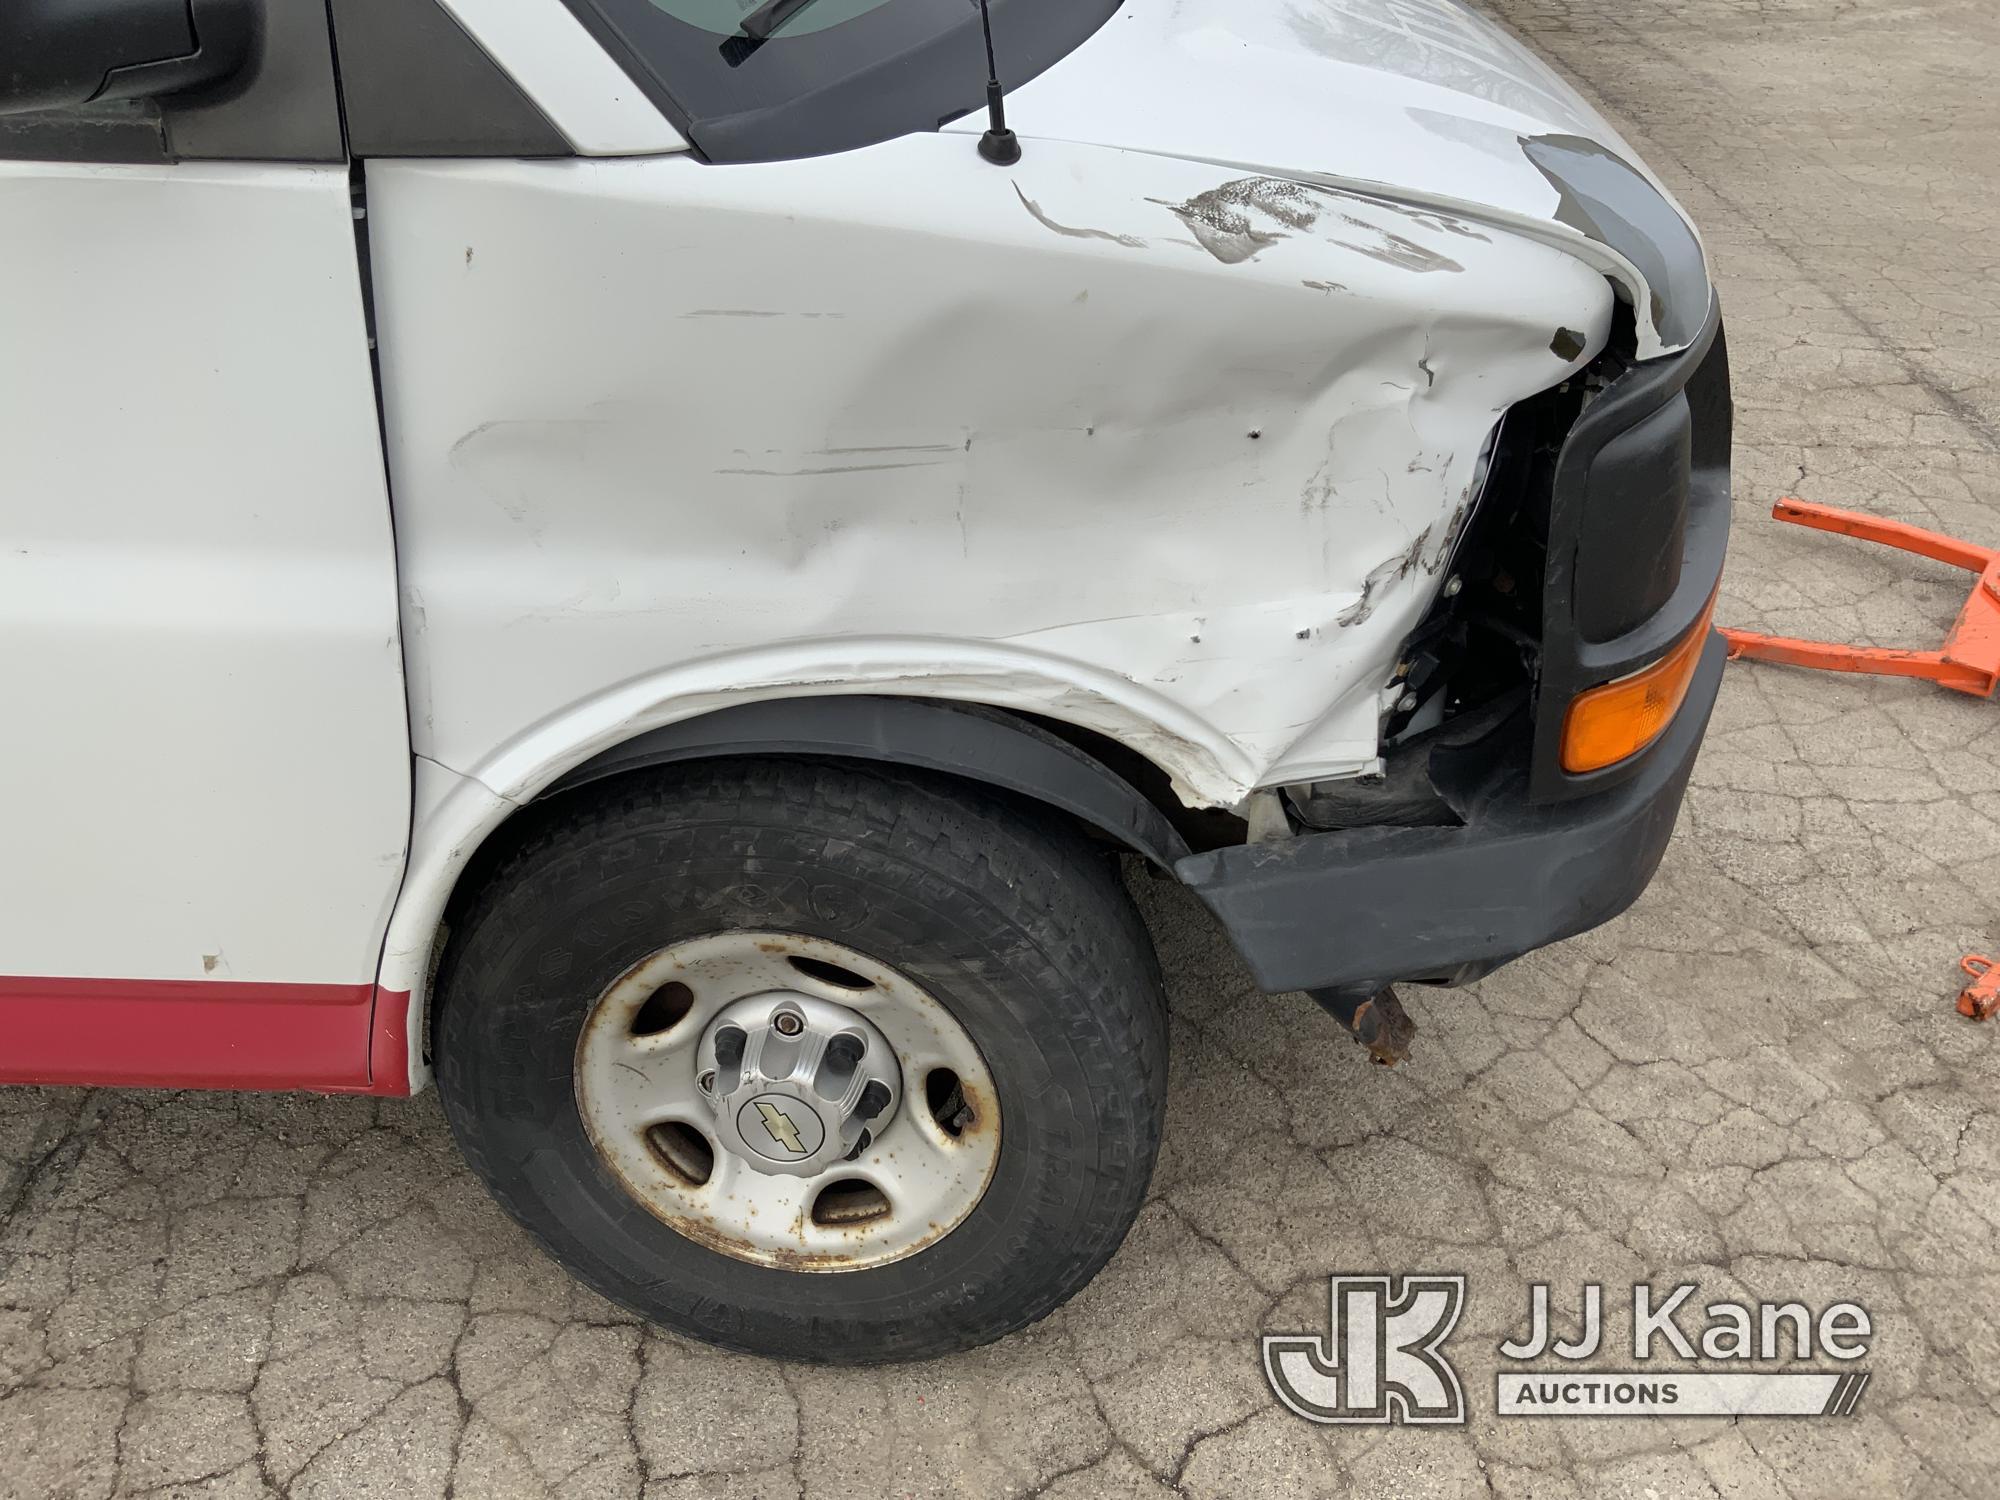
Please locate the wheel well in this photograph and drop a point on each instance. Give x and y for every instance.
(1101, 785)
(1202, 828)
(1097, 782)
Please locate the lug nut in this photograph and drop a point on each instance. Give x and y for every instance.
(845, 1050)
(706, 1083)
(786, 1023)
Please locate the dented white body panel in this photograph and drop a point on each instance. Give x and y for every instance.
(203, 681)
(664, 437)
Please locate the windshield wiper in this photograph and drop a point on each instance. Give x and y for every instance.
(768, 17)
(758, 27)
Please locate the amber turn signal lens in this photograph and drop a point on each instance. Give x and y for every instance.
(1611, 723)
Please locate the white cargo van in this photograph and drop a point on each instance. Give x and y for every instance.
(644, 559)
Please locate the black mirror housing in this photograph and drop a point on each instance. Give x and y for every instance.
(58, 53)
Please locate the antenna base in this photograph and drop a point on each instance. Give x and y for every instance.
(1001, 147)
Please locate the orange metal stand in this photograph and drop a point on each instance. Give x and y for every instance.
(1970, 660)
(1979, 999)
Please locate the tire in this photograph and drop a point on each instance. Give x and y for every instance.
(1009, 919)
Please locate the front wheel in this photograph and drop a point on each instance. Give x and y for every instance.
(816, 1061)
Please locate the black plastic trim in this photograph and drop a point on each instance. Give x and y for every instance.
(225, 35)
(1378, 906)
(57, 54)
(127, 131)
(1631, 543)
(1612, 202)
(979, 744)
(413, 83)
(1692, 390)
(281, 106)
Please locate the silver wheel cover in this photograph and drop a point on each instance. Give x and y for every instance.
(642, 1091)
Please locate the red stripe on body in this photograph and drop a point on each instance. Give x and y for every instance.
(204, 1034)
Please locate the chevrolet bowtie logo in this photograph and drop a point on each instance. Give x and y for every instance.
(783, 1131)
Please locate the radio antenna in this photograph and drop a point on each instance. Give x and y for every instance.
(999, 145)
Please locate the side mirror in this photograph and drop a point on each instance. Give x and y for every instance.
(56, 53)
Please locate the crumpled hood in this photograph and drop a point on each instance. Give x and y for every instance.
(1417, 101)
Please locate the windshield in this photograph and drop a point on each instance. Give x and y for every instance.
(767, 80)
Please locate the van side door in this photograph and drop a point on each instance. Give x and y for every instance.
(205, 752)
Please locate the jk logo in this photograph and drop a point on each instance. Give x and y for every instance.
(1380, 1360)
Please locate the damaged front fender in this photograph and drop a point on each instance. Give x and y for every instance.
(1202, 441)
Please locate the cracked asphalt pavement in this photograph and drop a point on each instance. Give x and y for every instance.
(1755, 1080)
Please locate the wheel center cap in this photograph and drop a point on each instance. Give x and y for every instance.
(779, 1127)
(797, 1083)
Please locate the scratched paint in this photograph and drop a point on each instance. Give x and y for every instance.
(1238, 219)
(1053, 455)
(1421, 103)
(1070, 231)
(1055, 452)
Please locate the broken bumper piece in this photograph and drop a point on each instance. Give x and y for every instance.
(1370, 907)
